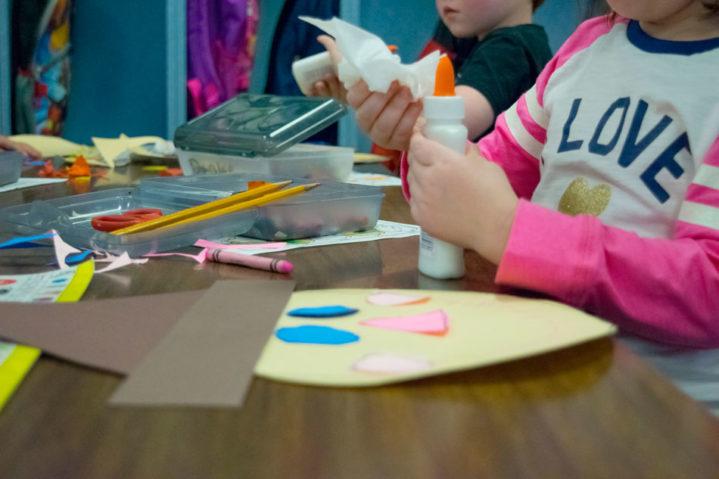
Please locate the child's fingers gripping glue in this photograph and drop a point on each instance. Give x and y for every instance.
(312, 69)
(444, 114)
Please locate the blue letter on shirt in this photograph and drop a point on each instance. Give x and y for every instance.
(567, 145)
(594, 145)
(665, 160)
(633, 148)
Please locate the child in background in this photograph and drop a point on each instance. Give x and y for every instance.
(600, 186)
(27, 150)
(496, 50)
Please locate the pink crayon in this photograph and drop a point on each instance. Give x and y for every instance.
(257, 262)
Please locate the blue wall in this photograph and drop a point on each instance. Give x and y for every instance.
(406, 23)
(5, 96)
(118, 69)
(560, 18)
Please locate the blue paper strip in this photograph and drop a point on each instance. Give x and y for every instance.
(331, 311)
(25, 241)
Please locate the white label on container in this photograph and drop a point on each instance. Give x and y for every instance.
(426, 242)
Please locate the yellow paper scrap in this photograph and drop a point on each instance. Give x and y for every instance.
(78, 284)
(50, 145)
(16, 364)
(113, 149)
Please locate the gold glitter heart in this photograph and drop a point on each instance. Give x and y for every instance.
(579, 198)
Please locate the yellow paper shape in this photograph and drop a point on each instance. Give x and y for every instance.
(112, 148)
(78, 284)
(484, 329)
(55, 146)
(50, 145)
(14, 368)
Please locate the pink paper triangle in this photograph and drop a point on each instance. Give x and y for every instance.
(434, 322)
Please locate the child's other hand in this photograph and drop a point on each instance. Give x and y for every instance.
(25, 149)
(330, 85)
(463, 199)
(388, 118)
(329, 43)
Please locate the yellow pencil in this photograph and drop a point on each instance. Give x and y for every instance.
(203, 208)
(245, 205)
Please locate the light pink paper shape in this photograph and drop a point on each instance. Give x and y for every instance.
(392, 299)
(387, 363)
(201, 257)
(211, 244)
(62, 250)
(435, 323)
(118, 262)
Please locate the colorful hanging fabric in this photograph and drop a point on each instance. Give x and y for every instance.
(42, 65)
(221, 36)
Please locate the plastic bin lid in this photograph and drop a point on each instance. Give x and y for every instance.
(258, 125)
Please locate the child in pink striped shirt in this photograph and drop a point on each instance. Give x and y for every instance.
(600, 185)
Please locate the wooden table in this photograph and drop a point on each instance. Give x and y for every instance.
(594, 410)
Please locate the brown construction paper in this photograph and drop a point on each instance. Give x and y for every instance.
(109, 334)
(208, 357)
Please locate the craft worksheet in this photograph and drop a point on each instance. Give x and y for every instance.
(354, 337)
(47, 287)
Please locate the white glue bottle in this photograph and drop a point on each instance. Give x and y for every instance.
(444, 112)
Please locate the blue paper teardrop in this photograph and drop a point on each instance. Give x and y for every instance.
(311, 334)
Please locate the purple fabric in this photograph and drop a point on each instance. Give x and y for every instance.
(220, 42)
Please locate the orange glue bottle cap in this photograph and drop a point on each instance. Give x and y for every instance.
(444, 78)
(444, 104)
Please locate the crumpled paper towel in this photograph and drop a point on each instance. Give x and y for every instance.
(365, 56)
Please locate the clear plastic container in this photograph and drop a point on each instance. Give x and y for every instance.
(314, 162)
(258, 125)
(330, 208)
(260, 134)
(10, 167)
(71, 217)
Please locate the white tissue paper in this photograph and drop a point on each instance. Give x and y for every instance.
(365, 56)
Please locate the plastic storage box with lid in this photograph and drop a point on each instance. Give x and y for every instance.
(10, 167)
(260, 134)
(71, 216)
(330, 208)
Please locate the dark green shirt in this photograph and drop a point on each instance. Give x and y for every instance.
(505, 64)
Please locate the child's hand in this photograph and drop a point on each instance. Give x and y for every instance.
(388, 118)
(330, 85)
(25, 149)
(463, 199)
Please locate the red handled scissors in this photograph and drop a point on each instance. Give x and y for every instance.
(128, 218)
